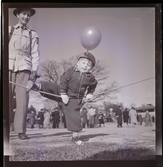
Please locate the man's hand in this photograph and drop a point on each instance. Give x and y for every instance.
(29, 85)
(33, 76)
(65, 99)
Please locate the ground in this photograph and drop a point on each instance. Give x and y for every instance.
(96, 140)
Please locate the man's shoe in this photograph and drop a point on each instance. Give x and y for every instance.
(23, 136)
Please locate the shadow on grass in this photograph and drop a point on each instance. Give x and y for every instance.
(38, 135)
(87, 137)
(68, 134)
(83, 137)
(124, 154)
(49, 135)
(33, 135)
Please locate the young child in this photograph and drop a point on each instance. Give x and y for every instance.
(74, 84)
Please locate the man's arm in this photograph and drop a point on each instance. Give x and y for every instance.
(35, 53)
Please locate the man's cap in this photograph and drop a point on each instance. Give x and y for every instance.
(19, 10)
(89, 56)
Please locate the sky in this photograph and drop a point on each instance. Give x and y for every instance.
(127, 44)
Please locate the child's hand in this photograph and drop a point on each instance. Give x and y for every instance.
(65, 99)
(89, 96)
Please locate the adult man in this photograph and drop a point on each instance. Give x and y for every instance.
(126, 116)
(55, 117)
(24, 60)
(133, 116)
(32, 119)
(40, 118)
(91, 113)
(119, 116)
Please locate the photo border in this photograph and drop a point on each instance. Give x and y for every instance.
(158, 83)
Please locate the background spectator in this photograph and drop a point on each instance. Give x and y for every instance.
(148, 119)
(101, 119)
(91, 112)
(40, 118)
(55, 118)
(96, 118)
(84, 116)
(140, 118)
(133, 116)
(32, 119)
(126, 116)
(119, 117)
(46, 119)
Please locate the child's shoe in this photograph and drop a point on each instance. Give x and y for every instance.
(76, 140)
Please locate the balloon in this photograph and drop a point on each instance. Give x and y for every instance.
(90, 37)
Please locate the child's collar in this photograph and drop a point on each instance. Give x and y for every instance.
(87, 74)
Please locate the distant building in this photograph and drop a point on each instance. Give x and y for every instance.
(148, 107)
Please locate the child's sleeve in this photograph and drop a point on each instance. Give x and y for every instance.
(64, 80)
(92, 86)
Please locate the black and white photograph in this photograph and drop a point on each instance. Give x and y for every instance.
(82, 83)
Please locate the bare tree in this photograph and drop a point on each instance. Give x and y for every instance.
(50, 71)
(133, 105)
(109, 92)
(65, 64)
(50, 104)
(101, 71)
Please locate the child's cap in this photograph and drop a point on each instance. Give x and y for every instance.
(89, 56)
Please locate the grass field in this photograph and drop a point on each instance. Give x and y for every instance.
(106, 143)
(88, 151)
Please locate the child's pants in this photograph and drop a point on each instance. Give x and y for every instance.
(71, 110)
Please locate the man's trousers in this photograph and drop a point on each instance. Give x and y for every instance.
(22, 98)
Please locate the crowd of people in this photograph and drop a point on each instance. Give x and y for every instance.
(45, 119)
(130, 117)
(91, 117)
